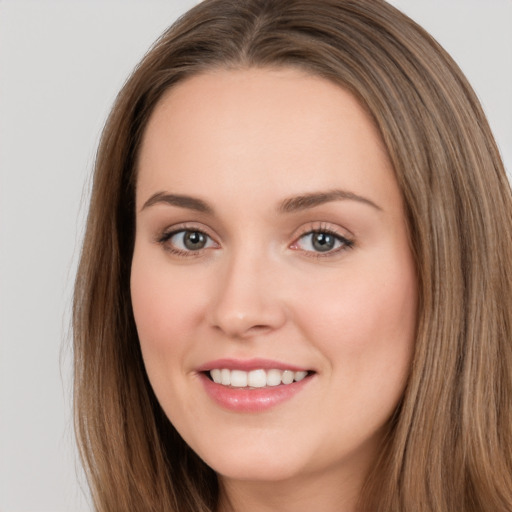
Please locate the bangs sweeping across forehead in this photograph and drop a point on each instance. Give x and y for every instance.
(449, 443)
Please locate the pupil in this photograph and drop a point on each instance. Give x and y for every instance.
(194, 240)
(323, 242)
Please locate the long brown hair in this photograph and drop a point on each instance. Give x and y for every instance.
(450, 441)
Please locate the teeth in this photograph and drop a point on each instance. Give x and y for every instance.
(238, 379)
(287, 377)
(299, 376)
(274, 377)
(216, 376)
(225, 377)
(255, 378)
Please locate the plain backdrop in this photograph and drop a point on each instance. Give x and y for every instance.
(61, 64)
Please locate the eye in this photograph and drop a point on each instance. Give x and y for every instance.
(322, 242)
(187, 241)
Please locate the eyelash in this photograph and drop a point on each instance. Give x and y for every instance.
(345, 243)
(167, 235)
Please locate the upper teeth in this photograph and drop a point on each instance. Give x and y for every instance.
(255, 378)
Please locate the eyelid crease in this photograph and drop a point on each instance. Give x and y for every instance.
(322, 226)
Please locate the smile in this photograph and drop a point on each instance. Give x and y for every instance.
(252, 386)
(259, 378)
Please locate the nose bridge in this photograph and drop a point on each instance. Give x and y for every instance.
(246, 303)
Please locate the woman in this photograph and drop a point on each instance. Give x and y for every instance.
(295, 283)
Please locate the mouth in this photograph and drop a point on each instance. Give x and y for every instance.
(255, 379)
(253, 385)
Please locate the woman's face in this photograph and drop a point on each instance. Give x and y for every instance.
(272, 256)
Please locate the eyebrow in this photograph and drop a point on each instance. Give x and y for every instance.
(182, 201)
(290, 205)
(306, 201)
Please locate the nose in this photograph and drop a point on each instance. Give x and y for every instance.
(247, 302)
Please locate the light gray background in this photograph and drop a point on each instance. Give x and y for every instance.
(61, 64)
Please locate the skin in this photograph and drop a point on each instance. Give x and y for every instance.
(244, 141)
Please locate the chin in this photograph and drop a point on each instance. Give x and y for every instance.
(255, 471)
(253, 465)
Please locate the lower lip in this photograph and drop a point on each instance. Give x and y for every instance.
(251, 400)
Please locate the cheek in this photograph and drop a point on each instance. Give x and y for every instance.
(165, 308)
(366, 319)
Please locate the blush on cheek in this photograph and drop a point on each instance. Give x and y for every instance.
(164, 313)
(361, 320)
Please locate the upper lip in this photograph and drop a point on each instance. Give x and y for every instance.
(249, 364)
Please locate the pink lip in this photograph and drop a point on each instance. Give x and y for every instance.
(250, 400)
(248, 365)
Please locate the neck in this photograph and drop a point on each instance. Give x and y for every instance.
(333, 493)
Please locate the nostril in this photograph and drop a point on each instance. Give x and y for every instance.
(259, 328)
(242, 330)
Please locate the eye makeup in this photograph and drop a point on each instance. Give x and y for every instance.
(191, 241)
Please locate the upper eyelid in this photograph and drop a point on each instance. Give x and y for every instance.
(320, 226)
(176, 228)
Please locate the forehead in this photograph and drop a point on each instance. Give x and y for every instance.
(253, 127)
(303, 101)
